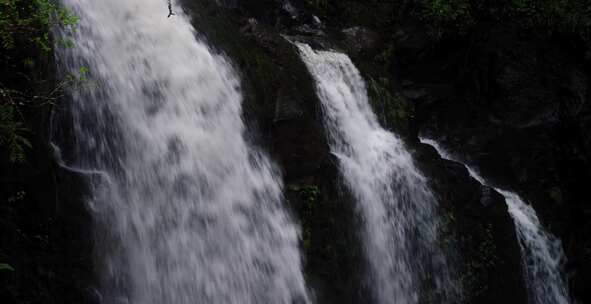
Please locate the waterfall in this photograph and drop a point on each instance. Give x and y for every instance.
(186, 210)
(398, 210)
(541, 252)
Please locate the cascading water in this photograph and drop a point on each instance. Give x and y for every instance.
(397, 207)
(186, 210)
(541, 252)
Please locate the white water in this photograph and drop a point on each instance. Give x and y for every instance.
(190, 212)
(400, 227)
(541, 252)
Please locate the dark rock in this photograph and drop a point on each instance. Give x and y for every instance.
(360, 39)
(411, 38)
(407, 83)
(414, 94)
(489, 196)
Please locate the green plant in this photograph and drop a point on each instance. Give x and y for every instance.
(554, 15)
(447, 15)
(25, 34)
(4, 266)
(31, 20)
(545, 16)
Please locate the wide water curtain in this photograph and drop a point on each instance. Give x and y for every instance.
(400, 224)
(186, 211)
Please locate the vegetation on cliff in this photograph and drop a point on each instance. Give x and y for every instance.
(26, 49)
(30, 246)
(457, 16)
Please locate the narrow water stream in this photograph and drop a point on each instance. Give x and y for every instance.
(399, 211)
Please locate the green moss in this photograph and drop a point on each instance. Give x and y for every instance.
(310, 196)
(487, 248)
(393, 111)
(480, 264)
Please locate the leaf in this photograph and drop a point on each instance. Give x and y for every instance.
(24, 141)
(4, 266)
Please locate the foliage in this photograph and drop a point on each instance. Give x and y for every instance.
(460, 16)
(32, 20)
(445, 15)
(571, 16)
(546, 16)
(25, 27)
